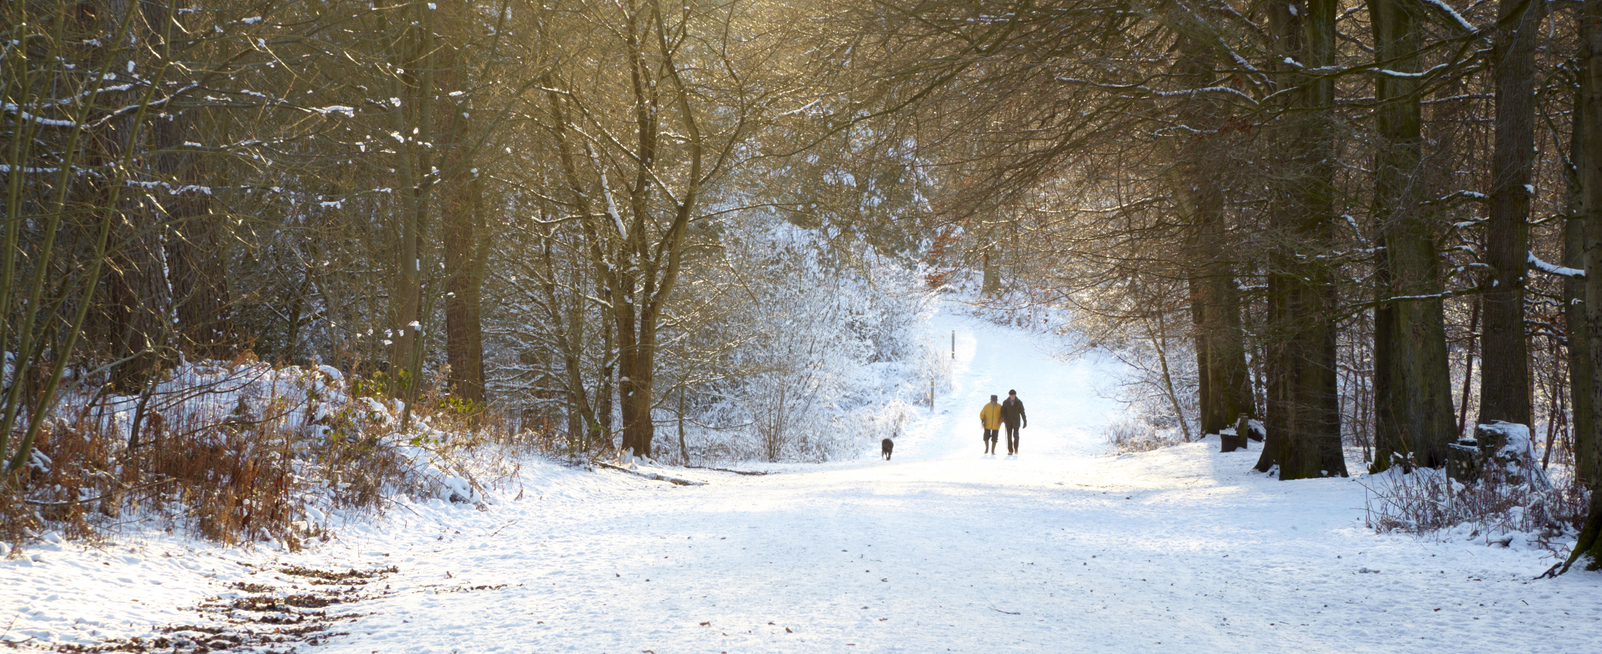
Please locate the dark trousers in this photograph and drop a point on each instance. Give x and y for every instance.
(1012, 439)
(990, 440)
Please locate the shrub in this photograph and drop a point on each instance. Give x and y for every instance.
(1126, 436)
(241, 450)
(1426, 501)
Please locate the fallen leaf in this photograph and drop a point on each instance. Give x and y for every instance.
(787, 630)
(706, 624)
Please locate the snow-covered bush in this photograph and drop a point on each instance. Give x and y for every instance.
(1507, 498)
(1125, 435)
(243, 450)
(831, 350)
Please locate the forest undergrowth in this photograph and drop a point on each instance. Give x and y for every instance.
(1494, 509)
(241, 450)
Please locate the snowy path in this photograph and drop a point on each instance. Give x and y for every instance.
(941, 549)
(1061, 549)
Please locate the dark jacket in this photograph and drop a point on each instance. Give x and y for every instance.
(1011, 410)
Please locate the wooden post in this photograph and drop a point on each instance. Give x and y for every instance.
(953, 343)
(931, 395)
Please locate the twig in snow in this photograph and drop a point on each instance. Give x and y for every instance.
(738, 472)
(651, 475)
(1006, 612)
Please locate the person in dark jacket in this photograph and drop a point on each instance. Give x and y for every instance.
(1012, 411)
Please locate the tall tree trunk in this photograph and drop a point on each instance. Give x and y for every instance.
(1223, 377)
(138, 299)
(466, 256)
(1304, 422)
(194, 245)
(1504, 356)
(601, 252)
(1412, 378)
(634, 383)
(461, 210)
(684, 450)
(1588, 548)
(583, 424)
(1576, 323)
(411, 119)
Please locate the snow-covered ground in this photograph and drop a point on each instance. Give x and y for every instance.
(1062, 548)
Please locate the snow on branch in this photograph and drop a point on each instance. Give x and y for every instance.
(1536, 263)
(1452, 14)
(22, 114)
(1154, 92)
(1401, 74)
(6, 168)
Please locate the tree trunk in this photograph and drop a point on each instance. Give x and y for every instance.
(411, 118)
(1224, 381)
(1504, 356)
(1222, 342)
(1576, 323)
(605, 383)
(634, 382)
(461, 209)
(1159, 344)
(1589, 546)
(990, 265)
(194, 244)
(1204, 388)
(638, 262)
(1303, 420)
(580, 417)
(139, 302)
(600, 252)
(684, 450)
(466, 256)
(1412, 378)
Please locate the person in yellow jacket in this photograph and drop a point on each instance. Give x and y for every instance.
(990, 417)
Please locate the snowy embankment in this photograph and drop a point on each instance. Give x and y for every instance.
(1178, 550)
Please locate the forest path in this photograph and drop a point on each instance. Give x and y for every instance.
(941, 549)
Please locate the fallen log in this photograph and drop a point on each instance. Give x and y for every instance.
(652, 475)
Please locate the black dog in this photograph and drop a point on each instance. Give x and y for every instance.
(885, 447)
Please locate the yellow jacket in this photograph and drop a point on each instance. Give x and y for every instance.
(991, 416)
